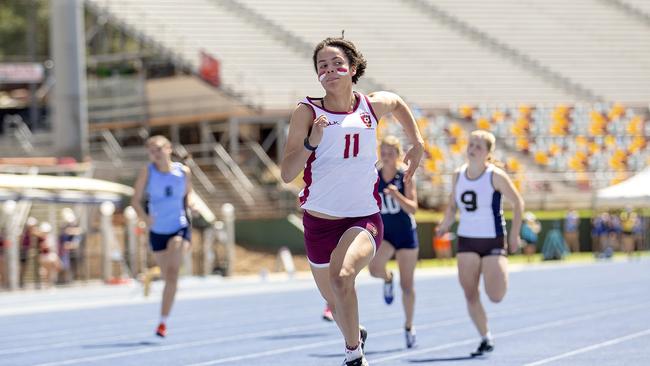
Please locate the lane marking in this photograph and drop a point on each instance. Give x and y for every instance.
(578, 351)
(512, 332)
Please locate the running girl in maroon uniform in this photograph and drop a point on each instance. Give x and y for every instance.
(334, 139)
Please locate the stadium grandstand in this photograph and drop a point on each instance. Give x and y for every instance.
(564, 85)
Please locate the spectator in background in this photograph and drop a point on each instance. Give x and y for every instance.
(629, 220)
(69, 246)
(50, 263)
(600, 232)
(28, 240)
(572, 231)
(2, 258)
(639, 233)
(614, 230)
(530, 229)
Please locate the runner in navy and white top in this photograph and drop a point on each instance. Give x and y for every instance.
(334, 140)
(399, 203)
(478, 187)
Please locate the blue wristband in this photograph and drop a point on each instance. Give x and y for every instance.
(308, 145)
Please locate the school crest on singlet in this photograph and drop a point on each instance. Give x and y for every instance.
(365, 118)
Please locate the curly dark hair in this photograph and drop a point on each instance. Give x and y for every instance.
(354, 56)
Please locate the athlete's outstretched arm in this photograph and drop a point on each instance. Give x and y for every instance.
(450, 212)
(503, 184)
(295, 153)
(386, 102)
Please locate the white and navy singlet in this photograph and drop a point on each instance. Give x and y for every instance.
(480, 205)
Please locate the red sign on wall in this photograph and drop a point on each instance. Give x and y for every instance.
(209, 69)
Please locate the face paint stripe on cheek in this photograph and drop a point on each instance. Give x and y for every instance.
(321, 76)
(342, 71)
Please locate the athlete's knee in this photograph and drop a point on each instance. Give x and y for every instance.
(171, 275)
(407, 288)
(472, 296)
(376, 270)
(343, 281)
(496, 296)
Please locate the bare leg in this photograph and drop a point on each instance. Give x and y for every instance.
(407, 260)
(495, 276)
(469, 273)
(169, 261)
(377, 266)
(353, 252)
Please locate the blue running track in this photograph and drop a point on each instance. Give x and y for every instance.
(591, 314)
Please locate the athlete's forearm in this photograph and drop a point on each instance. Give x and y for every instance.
(293, 163)
(407, 204)
(517, 213)
(450, 216)
(403, 114)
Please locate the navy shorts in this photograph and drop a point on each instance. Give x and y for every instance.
(159, 242)
(402, 239)
(483, 246)
(323, 235)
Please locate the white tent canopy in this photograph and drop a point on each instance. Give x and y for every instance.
(60, 189)
(633, 192)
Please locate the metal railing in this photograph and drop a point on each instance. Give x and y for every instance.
(196, 170)
(237, 179)
(270, 166)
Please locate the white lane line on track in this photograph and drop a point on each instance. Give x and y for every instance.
(410, 352)
(109, 336)
(322, 343)
(578, 351)
(84, 341)
(512, 332)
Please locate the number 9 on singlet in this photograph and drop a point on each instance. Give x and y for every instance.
(468, 198)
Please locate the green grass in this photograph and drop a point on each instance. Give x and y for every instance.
(517, 259)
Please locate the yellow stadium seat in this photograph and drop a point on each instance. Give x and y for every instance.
(455, 130)
(610, 141)
(541, 158)
(554, 149)
(593, 148)
(558, 130)
(635, 126)
(616, 111)
(422, 122)
(483, 124)
(466, 111)
(620, 176)
(435, 153)
(513, 165)
(523, 144)
(431, 166)
(581, 141)
(498, 116)
(638, 143)
(597, 118)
